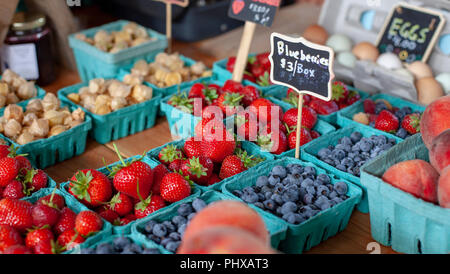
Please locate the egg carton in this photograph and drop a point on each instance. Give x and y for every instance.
(362, 21)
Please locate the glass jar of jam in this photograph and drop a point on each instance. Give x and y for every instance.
(27, 49)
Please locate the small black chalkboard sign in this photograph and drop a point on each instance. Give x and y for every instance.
(301, 65)
(257, 11)
(410, 32)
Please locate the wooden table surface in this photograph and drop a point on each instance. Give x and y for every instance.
(291, 20)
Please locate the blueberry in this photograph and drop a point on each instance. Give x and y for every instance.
(320, 200)
(165, 241)
(392, 141)
(278, 211)
(288, 180)
(175, 236)
(309, 171)
(273, 180)
(120, 242)
(290, 217)
(341, 167)
(288, 207)
(169, 226)
(324, 153)
(259, 204)
(290, 195)
(190, 216)
(341, 188)
(323, 190)
(261, 197)
(346, 141)
(179, 220)
(135, 248)
(299, 219)
(87, 251)
(198, 204)
(277, 198)
(267, 195)
(329, 161)
(184, 210)
(332, 194)
(366, 146)
(104, 248)
(337, 200)
(159, 230)
(347, 162)
(279, 171)
(325, 205)
(386, 147)
(307, 182)
(338, 154)
(356, 147)
(311, 190)
(237, 192)
(127, 250)
(355, 137)
(248, 189)
(173, 246)
(296, 170)
(406, 110)
(269, 204)
(262, 181)
(150, 251)
(148, 228)
(181, 229)
(402, 133)
(250, 198)
(308, 198)
(154, 238)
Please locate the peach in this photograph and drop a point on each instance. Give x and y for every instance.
(223, 240)
(444, 188)
(440, 151)
(435, 119)
(229, 213)
(416, 177)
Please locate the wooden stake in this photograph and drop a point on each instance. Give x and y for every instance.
(169, 27)
(299, 126)
(244, 48)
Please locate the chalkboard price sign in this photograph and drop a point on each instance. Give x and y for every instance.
(301, 65)
(257, 11)
(410, 32)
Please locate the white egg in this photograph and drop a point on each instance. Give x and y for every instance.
(444, 80)
(389, 60)
(339, 43)
(346, 58)
(405, 73)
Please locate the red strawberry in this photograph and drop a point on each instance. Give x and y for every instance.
(369, 106)
(340, 92)
(192, 147)
(174, 188)
(230, 64)
(88, 222)
(210, 113)
(257, 70)
(17, 249)
(323, 107)
(24, 164)
(16, 213)
(121, 204)
(387, 121)
(229, 102)
(109, 215)
(149, 205)
(44, 215)
(70, 239)
(248, 130)
(4, 151)
(158, 173)
(53, 200)
(273, 142)
(34, 236)
(305, 137)
(231, 165)
(309, 117)
(268, 128)
(353, 97)
(249, 77)
(9, 169)
(175, 166)
(217, 150)
(198, 169)
(209, 127)
(14, 190)
(66, 221)
(128, 219)
(35, 179)
(263, 59)
(315, 134)
(232, 86)
(250, 94)
(91, 187)
(411, 123)
(48, 247)
(265, 110)
(9, 236)
(169, 153)
(196, 91)
(213, 179)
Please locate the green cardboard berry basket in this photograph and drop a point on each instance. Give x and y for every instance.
(125, 229)
(94, 63)
(120, 123)
(77, 207)
(277, 97)
(217, 186)
(277, 230)
(345, 117)
(309, 153)
(397, 218)
(312, 232)
(49, 151)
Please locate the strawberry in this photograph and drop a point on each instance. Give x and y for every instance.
(109, 215)
(411, 123)
(230, 64)
(9, 169)
(217, 150)
(268, 128)
(373, 118)
(91, 187)
(174, 187)
(210, 113)
(353, 97)
(128, 219)
(198, 169)
(24, 164)
(36, 235)
(169, 153)
(249, 77)
(231, 165)
(9, 236)
(314, 134)
(53, 200)
(387, 121)
(229, 101)
(340, 92)
(88, 222)
(232, 87)
(248, 130)
(121, 204)
(182, 102)
(17, 249)
(273, 142)
(44, 215)
(70, 239)
(35, 179)
(369, 106)
(196, 91)
(149, 205)
(305, 137)
(257, 70)
(250, 94)
(48, 247)
(323, 107)
(66, 221)
(14, 190)
(213, 179)
(192, 147)
(4, 151)
(16, 213)
(309, 117)
(265, 110)
(263, 59)
(175, 166)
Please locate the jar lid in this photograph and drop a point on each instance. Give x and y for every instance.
(23, 21)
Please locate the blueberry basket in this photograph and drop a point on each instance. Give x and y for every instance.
(217, 186)
(310, 151)
(345, 117)
(398, 219)
(278, 95)
(304, 236)
(49, 151)
(94, 63)
(277, 230)
(77, 207)
(125, 229)
(120, 123)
